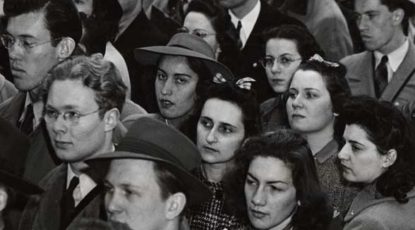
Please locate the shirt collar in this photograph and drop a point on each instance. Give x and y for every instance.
(86, 184)
(327, 152)
(395, 58)
(249, 20)
(37, 110)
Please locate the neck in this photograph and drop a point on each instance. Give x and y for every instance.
(215, 172)
(318, 140)
(177, 121)
(244, 9)
(396, 41)
(2, 225)
(79, 166)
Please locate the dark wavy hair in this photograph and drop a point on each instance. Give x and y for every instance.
(61, 16)
(306, 43)
(406, 6)
(387, 128)
(334, 77)
(95, 73)
(291, 148)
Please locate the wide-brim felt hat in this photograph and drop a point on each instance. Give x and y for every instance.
(150, 139)
(187, 45)
(14, 147)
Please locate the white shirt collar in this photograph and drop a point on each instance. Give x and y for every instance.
(395, 58)
(248, 22)
(86, 184)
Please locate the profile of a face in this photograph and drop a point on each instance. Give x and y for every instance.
(175, 86)
(360, 159)
(269, 192)
(220, 132)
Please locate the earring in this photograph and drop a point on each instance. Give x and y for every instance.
(298, 203)
(335, 114)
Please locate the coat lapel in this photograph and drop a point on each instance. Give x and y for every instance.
(361, 75)
(401, 76)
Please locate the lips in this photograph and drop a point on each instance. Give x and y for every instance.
(257, 214)
(165, 104)
(62, 144)
(208, 149)
(296, 115)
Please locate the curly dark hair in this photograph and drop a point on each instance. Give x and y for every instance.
(388, 129)
(291, 148)
(95, 73)
(306, 43)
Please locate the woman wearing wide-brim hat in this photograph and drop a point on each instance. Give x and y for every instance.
(184, 69)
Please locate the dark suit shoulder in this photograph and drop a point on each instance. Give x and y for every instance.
(354, 58)
(58, 173)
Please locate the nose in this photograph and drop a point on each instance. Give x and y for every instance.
(258, 198)
(343, 154)
(112, 203)
(167, 87)
(361, 23)
(297, 101)
(276, 67)
(15, 51)
(59, 125)
(211, 136)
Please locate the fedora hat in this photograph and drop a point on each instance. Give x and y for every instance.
(150, 139)
(187, 45)
(13, 152)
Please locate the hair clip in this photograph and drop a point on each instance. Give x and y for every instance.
(245, 83)
(320, 59)
(218, 78)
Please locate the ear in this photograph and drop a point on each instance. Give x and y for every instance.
(65, 48)
(3, 198)
(390, 158)
(175, 205)
(111, 119)
(397, 16)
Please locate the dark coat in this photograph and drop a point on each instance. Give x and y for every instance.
(44, 212)
(247, 63)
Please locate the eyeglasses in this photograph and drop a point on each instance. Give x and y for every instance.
(8, 42)
(268, 62)
(198, 32)
(73, 117)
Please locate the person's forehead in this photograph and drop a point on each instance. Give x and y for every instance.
(135, 172)
(71, 93)
(363, 6)
(30, 24)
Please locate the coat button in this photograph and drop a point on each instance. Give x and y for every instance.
(255, 64)
(396, 103)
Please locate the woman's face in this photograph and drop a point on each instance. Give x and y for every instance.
(269, 192)
(285, 59)
(220, 131)
(200, 25)
(360, 160)
(175, 86)
(309, 106)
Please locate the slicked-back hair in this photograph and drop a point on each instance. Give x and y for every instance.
(61, 16)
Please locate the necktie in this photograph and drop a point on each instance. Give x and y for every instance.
(26, 126)
(381, 76)
(68, 203)
(238, 37)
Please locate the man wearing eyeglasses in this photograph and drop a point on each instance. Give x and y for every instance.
(38, 35)
(83, 97)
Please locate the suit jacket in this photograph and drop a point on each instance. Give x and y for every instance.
(400, 90)
(41, 157)
(44, 212)
(371, 211)
(254, 49)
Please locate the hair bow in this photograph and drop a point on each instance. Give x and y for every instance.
(317, 57)
(245, 83)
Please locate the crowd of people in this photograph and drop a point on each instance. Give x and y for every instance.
(207, 114)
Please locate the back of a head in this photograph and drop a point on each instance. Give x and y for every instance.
(61, 16)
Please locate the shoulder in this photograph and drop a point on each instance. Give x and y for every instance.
(55, 175)
(354, 58)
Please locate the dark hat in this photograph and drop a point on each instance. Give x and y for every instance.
(183, 44)
(150, 139)
(13, 151)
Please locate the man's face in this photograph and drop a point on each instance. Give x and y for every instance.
(75, 140)
(232, 4)
(134, 196)
(30, 65)
(377, 25)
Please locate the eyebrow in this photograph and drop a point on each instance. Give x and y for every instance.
(175, 74)
(268, 182)
(220, 122)
(66, 107)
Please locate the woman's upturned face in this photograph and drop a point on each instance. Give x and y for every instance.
(309, 106)
(175, 87)
(269, 192)
(198, 24)
(360, 160)
(286, 59)
(220, 131)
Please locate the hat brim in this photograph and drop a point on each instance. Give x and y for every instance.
(19, 184)
(151, 56)
(196, 190)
